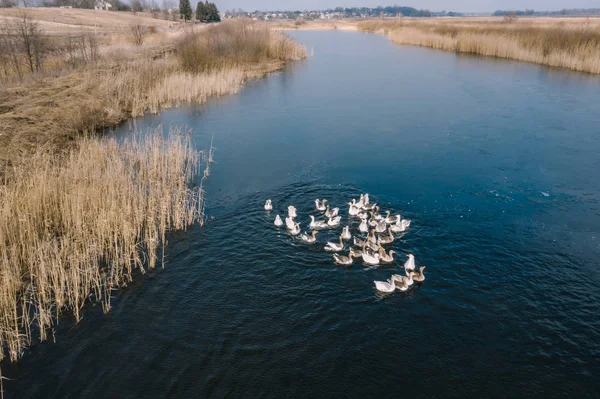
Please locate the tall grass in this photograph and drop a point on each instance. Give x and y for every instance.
(74, 228)
(566, 44)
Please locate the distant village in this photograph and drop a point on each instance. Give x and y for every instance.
(337, 13)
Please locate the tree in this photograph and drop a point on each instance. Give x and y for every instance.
(185, 10)
(212, 14)
(200, 12)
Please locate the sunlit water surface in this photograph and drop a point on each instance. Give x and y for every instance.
(497, 164)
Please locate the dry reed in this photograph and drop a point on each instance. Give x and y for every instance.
(73, 229)
(572, 44)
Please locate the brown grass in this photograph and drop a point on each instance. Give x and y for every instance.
(81, 224)
(130, 80)
(567, 43)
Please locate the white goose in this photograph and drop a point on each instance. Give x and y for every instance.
(404, 280)
(366, 199)
(334, 246)
(399, 227)
(268, 205)
(289, 223)
(369, 207)
(331, 213)
(346, 233)
(342, 260)
(392, 219)
(376, 215)
(354, 210)
(309, 238)
(333, 222)
(389, 286)
(410, 280)
(296, 230)
(320, 205)
(370, 259)
(410, 263)
(364, 227)
(317, 224)
(292, 211)
(278, 222)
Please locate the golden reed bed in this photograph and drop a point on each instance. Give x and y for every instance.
(572, 43)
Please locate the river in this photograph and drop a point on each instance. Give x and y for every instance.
(495, 162)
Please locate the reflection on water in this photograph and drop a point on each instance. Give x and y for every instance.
(494, 161)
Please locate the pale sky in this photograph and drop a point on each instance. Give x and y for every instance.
(433, 5)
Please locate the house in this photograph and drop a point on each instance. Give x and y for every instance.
(102, 5)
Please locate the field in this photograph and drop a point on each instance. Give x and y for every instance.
(572, 43)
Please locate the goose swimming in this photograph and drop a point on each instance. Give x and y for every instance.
(375, 214)
(404, 280)
(410, 263)
(317, 224)
(391, 219)
(320, 205)
(332, 222)
(386, 257)
(372, 221)
(278, 222)
(354, 210)
(355, 253)
(366, 199)
(398, 227)
(419, 276)
(386, 240)
(289, 223)
(369, 207)
(389, 286)
(369, 258)
(296, 230)
(342, 260)
(364, 227)
(334, 246)
(268, 205)
(309, 238)
(331, 213)
(359, 243)
(292, 211)
(346, 233)
(381, 226)
(409, 280)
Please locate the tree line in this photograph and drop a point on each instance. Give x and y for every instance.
(205, 11)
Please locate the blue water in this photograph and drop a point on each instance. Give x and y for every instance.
(497, 164)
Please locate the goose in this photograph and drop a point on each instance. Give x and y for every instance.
(364, 227)
(363, 216)
(398, 227)
(383, 240)
(332, 222)
(359, 243)
(292, 211)
(389, 286)
(346, 233)
(419, 276)
(409, 280)
(404, 280)
(386, 257)
(381, 226)
(369, 207)
(376, 214)
(410, 263)
(317, 224)
(392, 219)
(334, 246)
(289, 223)
(354, 209)
(361, 202)
(278, 222)
(331, 213)
(342, 260)
(268, 205)
(366, 199)
(369, 258)
(372, 221)
(320, 205)
(355, 253)
(309, 238)
(373, 246)
(296, 230)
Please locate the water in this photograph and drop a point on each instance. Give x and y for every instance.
(496, 162)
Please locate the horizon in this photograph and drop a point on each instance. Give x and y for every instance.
(464, 6)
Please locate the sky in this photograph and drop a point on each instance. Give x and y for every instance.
(433, 5)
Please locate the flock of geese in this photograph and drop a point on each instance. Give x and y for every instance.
(376, 232)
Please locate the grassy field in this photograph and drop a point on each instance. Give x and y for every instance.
(78, 213)
(572, 43)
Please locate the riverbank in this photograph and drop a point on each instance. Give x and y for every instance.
(79, 214)
(572, 43)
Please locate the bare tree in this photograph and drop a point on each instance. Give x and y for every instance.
(31, 40)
